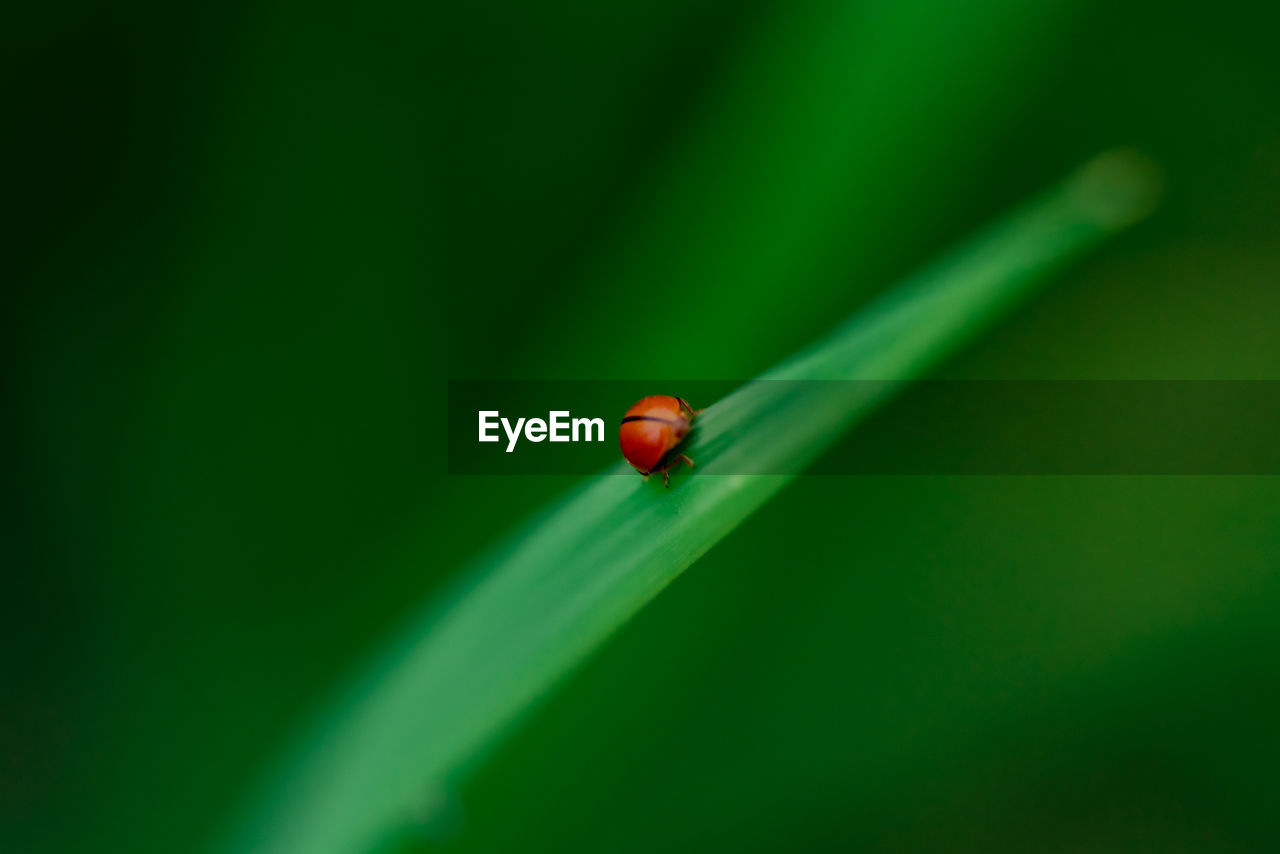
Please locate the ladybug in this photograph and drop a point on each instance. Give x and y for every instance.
(651, 431)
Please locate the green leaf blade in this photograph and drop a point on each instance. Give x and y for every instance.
(441, 695)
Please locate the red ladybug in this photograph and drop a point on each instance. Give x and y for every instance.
(650, 432)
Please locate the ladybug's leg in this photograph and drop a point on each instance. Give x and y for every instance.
(684, 404)
(666, 472)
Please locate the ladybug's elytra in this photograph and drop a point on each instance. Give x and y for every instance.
(650, 432)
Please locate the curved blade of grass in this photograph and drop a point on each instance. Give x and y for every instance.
(443, 692)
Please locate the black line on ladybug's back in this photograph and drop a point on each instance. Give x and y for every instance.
(652, 418)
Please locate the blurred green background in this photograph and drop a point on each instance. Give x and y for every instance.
(247, 245)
